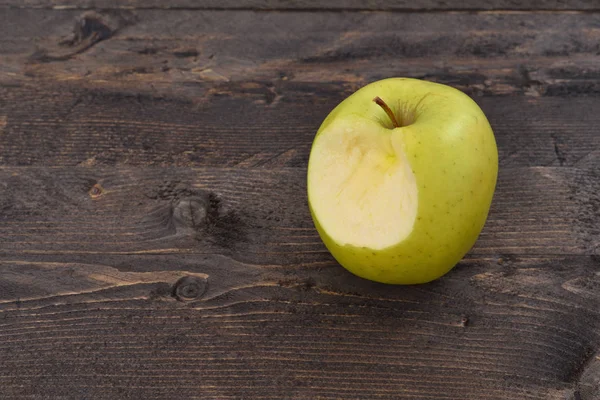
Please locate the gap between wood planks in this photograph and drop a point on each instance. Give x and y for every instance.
(316, 6)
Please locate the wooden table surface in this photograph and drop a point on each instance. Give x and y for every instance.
(155, 240)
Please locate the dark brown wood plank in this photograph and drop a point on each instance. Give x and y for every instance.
(236, 127)
(177, 88)
(155, 51)
(517, 328)
(259, 215)
(330, 5)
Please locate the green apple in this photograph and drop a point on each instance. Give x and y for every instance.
(400, 179)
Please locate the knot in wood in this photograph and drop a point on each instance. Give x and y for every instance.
(91, 26)
(464, 321)
(190, 212)
(96, 191)
(189, 288)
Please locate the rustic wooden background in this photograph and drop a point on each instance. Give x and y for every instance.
(155, 241)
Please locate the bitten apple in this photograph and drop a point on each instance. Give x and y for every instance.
(400, 179)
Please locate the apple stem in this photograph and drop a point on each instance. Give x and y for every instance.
(379, 101)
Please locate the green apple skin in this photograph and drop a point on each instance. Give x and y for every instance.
(452, 151)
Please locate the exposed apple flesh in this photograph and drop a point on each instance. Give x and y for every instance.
(367, 193)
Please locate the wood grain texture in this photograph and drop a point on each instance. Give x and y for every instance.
(68, 127)
(155, 241)
(262, 302)
(311, 5)
(189, 53)
(116, 89)
(258, 215)
(520, 329)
